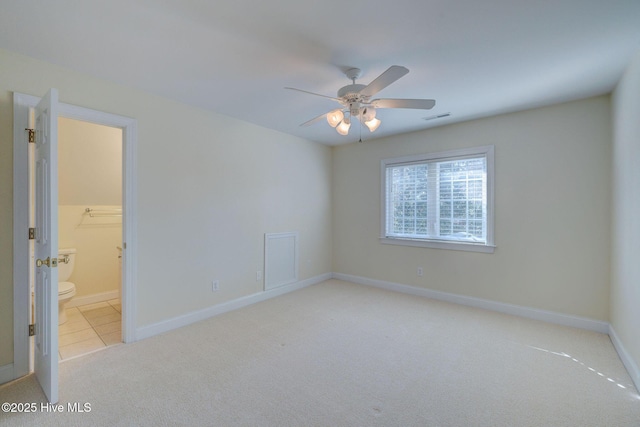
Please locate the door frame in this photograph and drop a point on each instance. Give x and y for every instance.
(22, 104)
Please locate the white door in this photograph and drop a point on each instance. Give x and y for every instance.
(46, 245)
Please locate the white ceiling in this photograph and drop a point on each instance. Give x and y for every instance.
(476, 58)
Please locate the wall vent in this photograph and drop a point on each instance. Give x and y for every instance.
(280, 259)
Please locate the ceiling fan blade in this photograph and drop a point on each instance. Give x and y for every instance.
(392, 74)
(421, 104)
(314, 120)
(312, 93)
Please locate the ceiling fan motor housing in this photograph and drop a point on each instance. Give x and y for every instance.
(351, 98)
(351, 93)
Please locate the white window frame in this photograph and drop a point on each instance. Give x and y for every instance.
(484, 151)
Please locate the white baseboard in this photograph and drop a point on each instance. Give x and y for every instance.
(6, 373)
(516, 310)
(627, 360)
(196, 316)
(92, 299)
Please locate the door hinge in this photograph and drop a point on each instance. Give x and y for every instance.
(32, 135)
(32, 233)
(32, 329)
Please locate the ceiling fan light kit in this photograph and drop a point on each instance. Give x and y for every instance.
(356, 101)
(373, 124)
(343, 127)
(368, 113)
(334, 117)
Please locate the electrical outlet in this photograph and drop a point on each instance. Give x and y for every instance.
(215, 286)
(258, 275)
(420, 272)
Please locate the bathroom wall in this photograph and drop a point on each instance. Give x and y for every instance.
(95, 239)
(90, 176)
(89, 163)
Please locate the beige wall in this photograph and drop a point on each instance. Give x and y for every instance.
(625, 284)
(552, 211)
(209, 187)
(89, 163)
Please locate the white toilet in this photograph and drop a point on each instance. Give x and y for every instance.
(66, 290)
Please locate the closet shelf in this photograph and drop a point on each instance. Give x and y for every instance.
(103, 212)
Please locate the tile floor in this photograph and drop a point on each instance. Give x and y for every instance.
(90, 327)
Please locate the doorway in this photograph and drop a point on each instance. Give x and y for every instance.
(23, 105)
(89, 236)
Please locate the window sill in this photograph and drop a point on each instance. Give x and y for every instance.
(437, 244)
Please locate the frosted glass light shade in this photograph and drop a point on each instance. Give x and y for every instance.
(334, 117)
(343, 127)
(373, 124)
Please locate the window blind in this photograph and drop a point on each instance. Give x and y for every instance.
(437, 199)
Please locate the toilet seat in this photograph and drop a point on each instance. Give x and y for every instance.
(66, 288)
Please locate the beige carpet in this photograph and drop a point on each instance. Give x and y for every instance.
(340, 354)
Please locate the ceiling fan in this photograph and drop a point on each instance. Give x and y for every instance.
(357, 103)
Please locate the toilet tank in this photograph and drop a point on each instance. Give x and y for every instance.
(66, 262)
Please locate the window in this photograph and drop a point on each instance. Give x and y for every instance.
(441, 200)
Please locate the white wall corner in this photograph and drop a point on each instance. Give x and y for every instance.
(627, 360)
